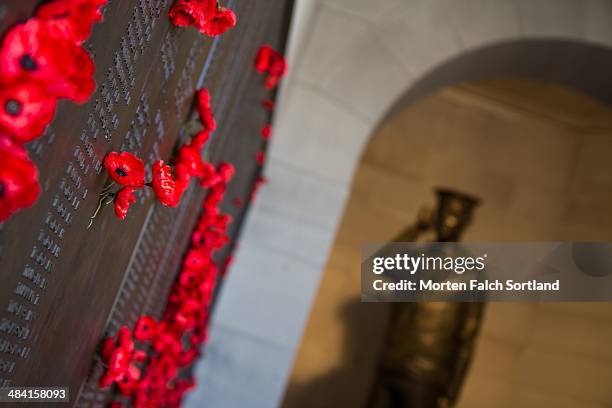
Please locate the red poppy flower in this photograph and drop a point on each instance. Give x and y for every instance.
(206, 15)
(271, 82)
(199, 336)
(30, 52)
(278, 66)
(119, 360)
(145, 329)
(209, 175)
(196, 260)
(189, 279)
(188, 357)
(204, 110)
(226, 171)
(187, 13)
(125, 169)
(167, 189)
(19, 186)
(263, 58)
(221, 20)
(200, 139)
(266, 132)
(268, 105)
(214, 197)
(191, 161)
(123, 200)
(260, 157)
(127, 381)
(124, 339)
(188, 314)
(71, 19)
(167, 339)
(25, 111)
(185, 384)
(270, 61)
(108, 346)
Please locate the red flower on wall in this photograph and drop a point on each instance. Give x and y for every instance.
(226, 171)
(204, 110)
(146, 328)
(167, 190)
(71, 19)
(206, 15)
(190, 163)
(221, 20)
(266, 132)
(260, 158)
(119, 355)
(125, 169)
(271, 62)
(31, 53)
(18, 179)
(25, 111)
(187, 13)
(123, 200)
(268, 105)
(200, 139)
(263, 58)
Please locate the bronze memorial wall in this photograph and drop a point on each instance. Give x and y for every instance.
(64, 287)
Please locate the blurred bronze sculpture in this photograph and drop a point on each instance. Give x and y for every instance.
(429, 345)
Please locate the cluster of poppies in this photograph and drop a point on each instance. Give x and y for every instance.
(41, 61)
(128, 170)
(272, 63)
(206, 15)
(175, 340)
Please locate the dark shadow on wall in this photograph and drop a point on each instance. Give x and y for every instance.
(349, 383)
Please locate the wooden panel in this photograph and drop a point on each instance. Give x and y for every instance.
(63, 287)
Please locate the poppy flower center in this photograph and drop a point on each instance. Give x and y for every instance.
(28, 63)
(62, 15)
(1, 190)
(120, 172)
(13, 107)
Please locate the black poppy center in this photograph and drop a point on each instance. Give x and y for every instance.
(13, 107)
(28, 63)
(1, 190)
(120, 172)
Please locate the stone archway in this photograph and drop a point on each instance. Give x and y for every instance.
(536, 155)
(359, 60)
